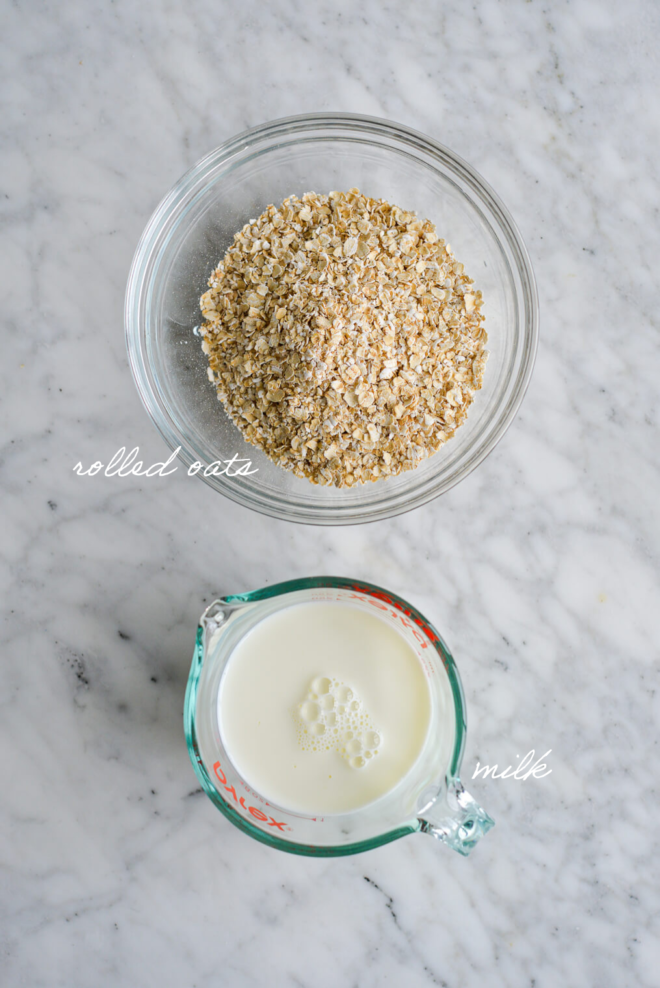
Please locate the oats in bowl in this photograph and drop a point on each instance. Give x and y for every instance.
(343, 337)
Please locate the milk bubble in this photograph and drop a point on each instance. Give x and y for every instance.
(332, 711)
(309, 711)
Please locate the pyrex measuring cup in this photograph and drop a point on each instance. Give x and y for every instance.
(429, 799)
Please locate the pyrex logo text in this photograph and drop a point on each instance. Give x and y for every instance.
(252, 810)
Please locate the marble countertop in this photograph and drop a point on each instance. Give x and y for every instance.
(541, 568)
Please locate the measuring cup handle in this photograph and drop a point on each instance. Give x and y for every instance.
(456, 818)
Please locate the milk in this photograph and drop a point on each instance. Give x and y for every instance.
(323, 708)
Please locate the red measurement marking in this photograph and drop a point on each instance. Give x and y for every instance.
(375, 596)
(253, 810)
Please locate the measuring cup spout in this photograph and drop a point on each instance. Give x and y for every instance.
(211, 625)
(456, 818)
(217, 613)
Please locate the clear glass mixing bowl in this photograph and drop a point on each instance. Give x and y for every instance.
(195, 224)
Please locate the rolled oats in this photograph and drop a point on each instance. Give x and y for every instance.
(343, 337)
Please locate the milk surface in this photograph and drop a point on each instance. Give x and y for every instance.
(323, 708)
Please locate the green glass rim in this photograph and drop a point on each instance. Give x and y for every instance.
(311, 583)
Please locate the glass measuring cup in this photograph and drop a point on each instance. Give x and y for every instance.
(429, 799)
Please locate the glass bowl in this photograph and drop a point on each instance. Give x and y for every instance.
(194, 225)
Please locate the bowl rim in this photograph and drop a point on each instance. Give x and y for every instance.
(186, 190)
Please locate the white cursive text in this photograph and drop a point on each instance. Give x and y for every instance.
(125, 464)
(521, 772)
